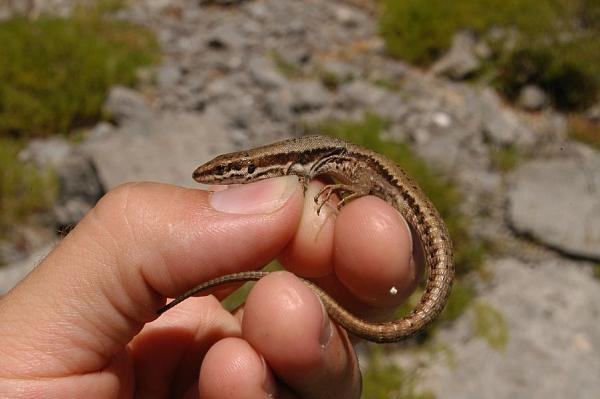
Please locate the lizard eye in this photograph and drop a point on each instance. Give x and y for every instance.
(220, 169)
(251, 168)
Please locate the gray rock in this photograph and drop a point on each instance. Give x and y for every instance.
(80, 189)
(307, 95)
(10, 252)
(46, 153)
(460, 61)
(593, 113)
(11, 8)
(264, 73)
(78, 182)
(557, 203)
(342, 71)
(167, 149)
(532, 98)
(69, 212)
(168, 75)
(482, 50)
(125, 104)
(223, 2)
(348, 17)
(225, 36)
(361, 93)
(553, 348)
(501, 126)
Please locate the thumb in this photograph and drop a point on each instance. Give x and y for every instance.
(141, 243)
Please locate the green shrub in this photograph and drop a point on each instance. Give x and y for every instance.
(568, 69)
(23, 189)
(412, 29)
(55, 72)
(569, 84)
(384, 380)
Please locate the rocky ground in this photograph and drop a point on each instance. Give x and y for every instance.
(240, 73)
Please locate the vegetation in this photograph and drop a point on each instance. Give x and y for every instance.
(596, 270)
(490, 325)
(23, 189)
(383, 380)
(584, 130)
(506, 158)
(286, 68)
(557, 45)
(56, 72)
(54, 76)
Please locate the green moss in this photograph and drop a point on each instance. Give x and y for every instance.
(287, 69)
(388, 84)
(383, 380)
(55, 72)
(596, 270)
(506, 158)
(460, 299)
(490, 325)
(23, 189)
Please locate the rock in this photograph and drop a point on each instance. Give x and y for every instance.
(347, 17)
(125, 104)
(460, 61)
(46, 153)
(482, 50)
(549, 313)
(78, 182)
(341, 71)
(80, 189)
(532, 98)
(501, 126)
(307, 95)
(166, 149)
(9, 253)
(593, 113)
(557, 203)
(168, 75)
(70, 212)
(223, 2)
(11, 8)
(362, 93)
(225, 36)
(264, 73)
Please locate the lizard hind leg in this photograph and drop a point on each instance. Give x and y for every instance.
(345, 191)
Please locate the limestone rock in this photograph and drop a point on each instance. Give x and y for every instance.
(460, 61)
(557, 202)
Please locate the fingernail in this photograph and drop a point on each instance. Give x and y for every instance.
(264, 196)
(326, 328)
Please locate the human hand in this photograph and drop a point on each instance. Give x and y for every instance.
(84, 322)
